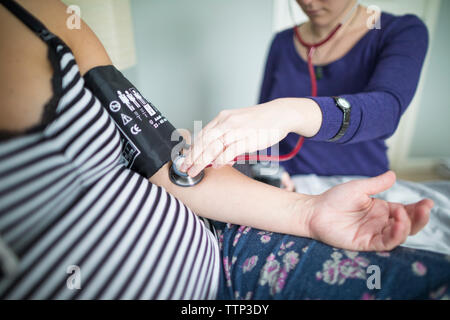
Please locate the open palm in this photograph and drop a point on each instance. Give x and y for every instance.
(347, 217)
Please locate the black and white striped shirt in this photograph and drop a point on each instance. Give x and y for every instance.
(67, 201)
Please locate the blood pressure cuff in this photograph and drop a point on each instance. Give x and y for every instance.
(145, 132)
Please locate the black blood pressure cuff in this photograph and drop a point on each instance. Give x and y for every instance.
(146, 134)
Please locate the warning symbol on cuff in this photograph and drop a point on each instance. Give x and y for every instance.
(125, 119)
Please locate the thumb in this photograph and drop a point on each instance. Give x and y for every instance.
(374, 185)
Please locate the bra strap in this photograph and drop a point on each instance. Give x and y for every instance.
(29, 20)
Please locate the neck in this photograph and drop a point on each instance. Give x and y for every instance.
(320, 31)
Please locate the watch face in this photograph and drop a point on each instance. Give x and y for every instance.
(343, 103)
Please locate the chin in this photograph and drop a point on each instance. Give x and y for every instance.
(320, 20)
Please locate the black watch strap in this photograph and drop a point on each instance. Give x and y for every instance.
(345, 107)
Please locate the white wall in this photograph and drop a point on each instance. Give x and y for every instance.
(196, 58)
(432, 132)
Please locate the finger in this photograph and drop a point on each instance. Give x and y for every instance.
(419, 214)
(232, 136)
(211, 124)
(429, 203)
(229, 140)
(286, 182)
(205, 140)
(208, 134)
(230, 153)
(208, 156)
(398, 229)
(217, 166)
(374, 185)
(393, 233)
(198, 143)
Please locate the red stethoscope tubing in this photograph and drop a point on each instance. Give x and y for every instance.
(311, 47)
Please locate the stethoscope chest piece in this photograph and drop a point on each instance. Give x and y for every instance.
(180, 178)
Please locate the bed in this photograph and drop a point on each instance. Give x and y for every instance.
(435, 236)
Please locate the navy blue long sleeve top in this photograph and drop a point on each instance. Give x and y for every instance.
(378, 76)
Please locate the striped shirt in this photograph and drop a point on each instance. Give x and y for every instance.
(80, 225)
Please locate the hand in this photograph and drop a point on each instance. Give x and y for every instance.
(235, 132)
(347, 217)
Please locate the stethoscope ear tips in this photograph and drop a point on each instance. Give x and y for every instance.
(182, 179)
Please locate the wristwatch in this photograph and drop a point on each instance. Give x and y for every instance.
(346, 107)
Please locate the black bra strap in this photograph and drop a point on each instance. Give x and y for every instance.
(29, 20)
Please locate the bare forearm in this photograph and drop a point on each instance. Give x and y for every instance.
(229, 196)
(301, 115)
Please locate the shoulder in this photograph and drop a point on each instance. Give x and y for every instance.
(396, 21)
(408, 26)
(26, 72)
(283, 37)
(52, 13)
(86, 47)
(280, 41)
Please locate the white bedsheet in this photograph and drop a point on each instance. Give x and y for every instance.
(435, 236)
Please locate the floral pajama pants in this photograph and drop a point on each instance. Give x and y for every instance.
(264, 265)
